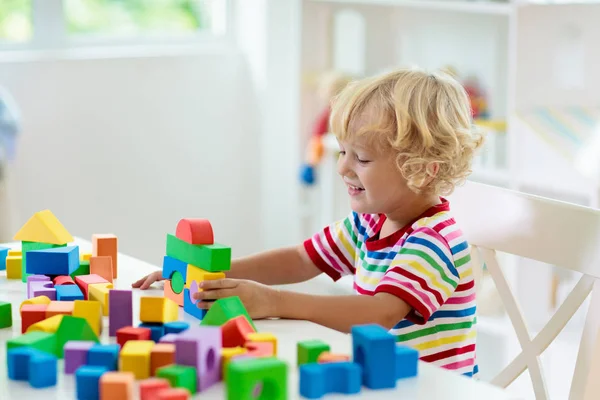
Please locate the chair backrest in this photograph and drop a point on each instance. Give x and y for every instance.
(557, 233)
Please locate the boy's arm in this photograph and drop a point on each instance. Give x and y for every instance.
(343, 312)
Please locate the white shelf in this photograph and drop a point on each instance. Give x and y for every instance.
(475, 7)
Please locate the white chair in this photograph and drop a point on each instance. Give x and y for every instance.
(494, 220)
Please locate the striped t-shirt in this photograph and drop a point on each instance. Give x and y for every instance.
(427, 264)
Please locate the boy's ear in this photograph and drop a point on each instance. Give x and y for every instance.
(432, 169)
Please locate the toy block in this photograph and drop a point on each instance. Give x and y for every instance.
(260, 349)
(225, 309)
(32, 314)
(228, 353)
(15, 253)
(196, 274)
(149, 387)
(59, 308)
(169, 338)
(135, 357)
(63, 280)
(99, 292)
(190, 306)
(374, 349)
(180, 376)
(117, 386)
(68, 292)
(211, 257)
(235, 331)
(73, 328)
(130, 333)
(407, 362)
(106, 244)
(318, 380)
(120, 315)
(104, 355)
(83, 281)
(3, 254)
(162, 354)
(268, 374)
(255, 337)
(195, 231)
(76, 354)
(44, 227)
(308, 351)
(36, 300)
(173, 394)
(156, 330)
(171, 265)
(158, 309)
(54, 261)
(49, 325)
(43, 288)
(176, 327)
(17, 362)
(85, 256)
(37, 367)
(199, 347)
(42, 341)
(102, 266)
(169, 293)
(13, 267)
(327, 357)
(91, 310)
(5, 315)
(32, 246)
(87, 381)
(35, 278)
(83, 269)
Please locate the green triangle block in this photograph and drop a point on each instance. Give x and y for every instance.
(225, 309)
(73, 328)
(42, 341)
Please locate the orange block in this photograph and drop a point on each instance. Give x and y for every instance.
(117, 385)
(195, 231)
(149, 387)
(59, 307)
(173, 394)
(327, 357)
(106, 244)
(102, 266)
(162, 354)
(168, 292)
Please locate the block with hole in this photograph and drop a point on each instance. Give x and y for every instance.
(162, 354)
(99, 292)
(87, 381)
(106, 244)
(235, 331)
(104, 355)
(200, 347)
(5, 315)
(252, 378)
(43, 288)
(83, 281)
(190, 305)
(149, 387)
(158, 310)
(28, 364)
(42, 341)
(59, 308)
(135, 357)
(318, 380)
(91, 311)
(308, 351)
(120, 304)
(68, 292)
(169, 291)
(225, 309)
(171, 265)
(53, 261)
(195, 231)
(32, 314)
(129, 333)
(35, 278)
(117, 386)
(180, 376)
(13, 267)
(76, 354)
(211, 257)
(102, 266)
(3, 254)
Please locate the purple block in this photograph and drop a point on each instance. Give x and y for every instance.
(200, 347)
(76, 353)
(43, 288)
(169, 338)
(35, 278)
(120, 310)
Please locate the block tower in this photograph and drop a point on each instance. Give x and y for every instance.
(192, 257)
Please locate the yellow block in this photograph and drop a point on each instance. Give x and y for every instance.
(86, 256)
(91, 311)
(227, 353)
(15, 253)
(13, 267)
(158, 309)
(49, 325)
(135, 357)
(44, 227)
(263, 337)
(99, 292)
(198, 274)
(36, 300)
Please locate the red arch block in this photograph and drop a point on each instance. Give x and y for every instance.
(195, 231)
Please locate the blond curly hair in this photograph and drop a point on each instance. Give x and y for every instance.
(425, 117)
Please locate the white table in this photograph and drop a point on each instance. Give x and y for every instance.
(431, 383)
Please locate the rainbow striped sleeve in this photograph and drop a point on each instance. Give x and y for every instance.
(334, 249)
(422, 273)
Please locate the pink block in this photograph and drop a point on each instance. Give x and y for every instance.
(63, 280)
(200, 347)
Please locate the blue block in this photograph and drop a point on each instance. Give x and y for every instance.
(17, 360)
(87, 379)
(190, 307)
(104, 355)
(43, 370)
(156, 330)
(171, 265)
(320, 379)
(68, 293)
(176, 327)
(3, 255)
(55, 261)
(374, 348)
(407, 362)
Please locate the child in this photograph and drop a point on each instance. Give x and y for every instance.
(406, 140)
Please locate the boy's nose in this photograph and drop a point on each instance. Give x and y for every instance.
(343, 167)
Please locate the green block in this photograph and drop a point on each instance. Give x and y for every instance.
(84, 269)
(42, 341)
(27, 246)
(177, 282)
(180, 376)
(308, 351)
(73, 328)
(225, 309)
(247, 376)
(210, 257)
(5, 315)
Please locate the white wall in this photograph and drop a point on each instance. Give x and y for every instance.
(130, 145)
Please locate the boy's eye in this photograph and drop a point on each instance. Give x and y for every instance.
(341, 153)
(362, 161)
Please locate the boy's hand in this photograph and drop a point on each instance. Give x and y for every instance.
(148, 280)
(260, 300)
